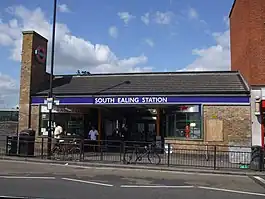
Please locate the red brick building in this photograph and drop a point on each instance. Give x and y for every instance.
(247, 36)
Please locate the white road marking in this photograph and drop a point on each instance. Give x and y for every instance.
(18, 197)
(155, 186)
(27, 177)
(259, 179)
(231, 191)
(88, 182)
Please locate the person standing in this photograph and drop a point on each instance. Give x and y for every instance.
(92, 135)
(58, 131)
(57, 135)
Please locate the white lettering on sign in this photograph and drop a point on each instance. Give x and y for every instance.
(105, 100)
(128, 100)
(154, 100)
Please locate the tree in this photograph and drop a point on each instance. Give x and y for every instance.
(83, 73)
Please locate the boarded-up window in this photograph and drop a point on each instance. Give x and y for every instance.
(214, 130)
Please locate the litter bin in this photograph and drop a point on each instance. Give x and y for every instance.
(26, 141)
(257, 158)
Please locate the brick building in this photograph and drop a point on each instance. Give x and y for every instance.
(247, 36)
(247, 33)
(175, 107)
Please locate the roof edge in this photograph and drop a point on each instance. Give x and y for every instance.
(32, 32)
(150, 73)
(232, 8)
(229, 93)
(245, 83)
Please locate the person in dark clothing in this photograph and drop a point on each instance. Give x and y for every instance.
(124, 136)
(124, 132)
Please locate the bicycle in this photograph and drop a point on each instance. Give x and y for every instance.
(62, 149)
(136, 156)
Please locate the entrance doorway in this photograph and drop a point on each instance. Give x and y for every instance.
(145, 131)
(140, 121)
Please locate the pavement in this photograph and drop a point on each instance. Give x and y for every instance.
(140, 166)
(49, 180)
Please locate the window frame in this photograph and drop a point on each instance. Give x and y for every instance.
(200, 113)
(54, 115)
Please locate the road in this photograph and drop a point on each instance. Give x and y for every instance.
(65, 181)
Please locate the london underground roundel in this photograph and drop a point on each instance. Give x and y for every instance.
(40, 54)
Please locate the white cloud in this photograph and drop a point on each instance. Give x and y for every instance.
(149, 42)
(7, 84)
(216, 57)
(9, 91)
(63, 8)
(193, 14)
(226, 21)
(113, 31)
(71, 52)
(145, 18)
(126, 17)
(163, 17)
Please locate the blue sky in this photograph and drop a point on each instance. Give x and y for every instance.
(114, 36)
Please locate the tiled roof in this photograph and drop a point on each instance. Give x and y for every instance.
(225, 82)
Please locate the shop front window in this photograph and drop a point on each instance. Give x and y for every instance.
(183, 122)
(73, 124)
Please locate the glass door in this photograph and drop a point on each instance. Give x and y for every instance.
(151, 131)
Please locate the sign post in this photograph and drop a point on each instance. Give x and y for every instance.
(50, 102)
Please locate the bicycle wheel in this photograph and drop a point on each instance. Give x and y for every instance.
(154, 158)
(75, 153)
(56, 153)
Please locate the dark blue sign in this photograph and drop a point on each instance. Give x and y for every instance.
(131, 100)
(147, 100)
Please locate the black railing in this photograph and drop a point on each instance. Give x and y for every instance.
(117, 152)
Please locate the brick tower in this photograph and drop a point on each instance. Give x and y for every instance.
(33, 73)
(247, 33)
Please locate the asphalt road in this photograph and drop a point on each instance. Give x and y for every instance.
(57, 181)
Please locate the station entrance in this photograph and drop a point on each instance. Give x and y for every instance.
(141, 123)
(144, 123)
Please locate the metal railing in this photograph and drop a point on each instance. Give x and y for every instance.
(215, 157)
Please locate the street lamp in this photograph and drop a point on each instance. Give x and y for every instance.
(49, 146)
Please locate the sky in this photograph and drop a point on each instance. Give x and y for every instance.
(102, 36)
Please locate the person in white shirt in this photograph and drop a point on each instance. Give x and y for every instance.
(58, 131)
(92, 135)
(57, 135)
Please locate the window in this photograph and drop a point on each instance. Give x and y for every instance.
(71, 123)
(183, 122)
(9, 116)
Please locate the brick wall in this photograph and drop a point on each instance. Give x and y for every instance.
(33, 74)
(236, 127)
(236, 123)
(35, 118)
(247, 37)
